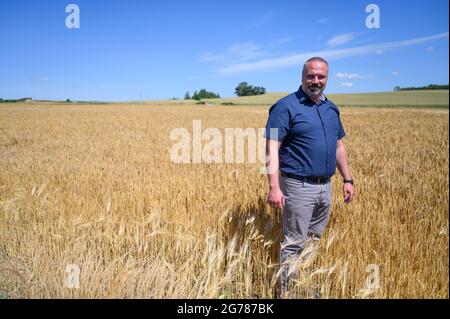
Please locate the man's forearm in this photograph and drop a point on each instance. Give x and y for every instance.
(342, 162)
(272, 163)
(274, 182)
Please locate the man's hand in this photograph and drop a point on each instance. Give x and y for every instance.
(276, 198)
(349, 192)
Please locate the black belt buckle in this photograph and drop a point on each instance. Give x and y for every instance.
(319, 179)
(311, 179)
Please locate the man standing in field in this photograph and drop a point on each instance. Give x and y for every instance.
(304, 145)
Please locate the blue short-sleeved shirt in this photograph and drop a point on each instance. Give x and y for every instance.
(308, 132)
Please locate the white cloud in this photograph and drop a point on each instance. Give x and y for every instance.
(349, 84)
(40, 79)
(430, 48)
(352, 76)
(395, 73)
(237, 53)
(296, 59)
(379, 52)
(245, 51)
(341, 39)
(210, 57)
(282, 40)
(262, 20)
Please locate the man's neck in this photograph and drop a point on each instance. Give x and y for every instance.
(316, 100)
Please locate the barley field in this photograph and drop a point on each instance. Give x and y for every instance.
(91, 190)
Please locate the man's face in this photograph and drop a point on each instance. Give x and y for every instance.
(315, 78)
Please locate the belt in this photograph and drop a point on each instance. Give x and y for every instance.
(309, 179)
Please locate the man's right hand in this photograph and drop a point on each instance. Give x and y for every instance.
(276, 198)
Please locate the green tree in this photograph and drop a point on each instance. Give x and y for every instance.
(204, 94)
(258, 90)
(244, 89)
(187, 96)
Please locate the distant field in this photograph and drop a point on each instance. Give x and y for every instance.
(436, 98)
(427, 99)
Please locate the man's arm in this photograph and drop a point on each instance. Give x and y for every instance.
(276, 197)
(341, 160)
(344, 170)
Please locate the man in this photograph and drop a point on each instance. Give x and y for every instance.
(304, 145)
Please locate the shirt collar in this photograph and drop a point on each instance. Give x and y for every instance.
(302, 96)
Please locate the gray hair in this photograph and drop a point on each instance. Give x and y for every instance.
(317, 59)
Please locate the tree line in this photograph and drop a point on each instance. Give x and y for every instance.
(202, 94)
(428, 87)
(242, 89)
(24, 99)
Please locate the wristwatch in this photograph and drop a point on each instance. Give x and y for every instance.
(349, 181)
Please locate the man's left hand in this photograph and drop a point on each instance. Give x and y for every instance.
(349, 192)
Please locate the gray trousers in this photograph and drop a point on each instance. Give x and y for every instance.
(305, 216)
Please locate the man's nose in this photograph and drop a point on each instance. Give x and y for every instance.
(316, 80)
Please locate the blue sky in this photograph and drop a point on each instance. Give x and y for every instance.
(128, 50)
